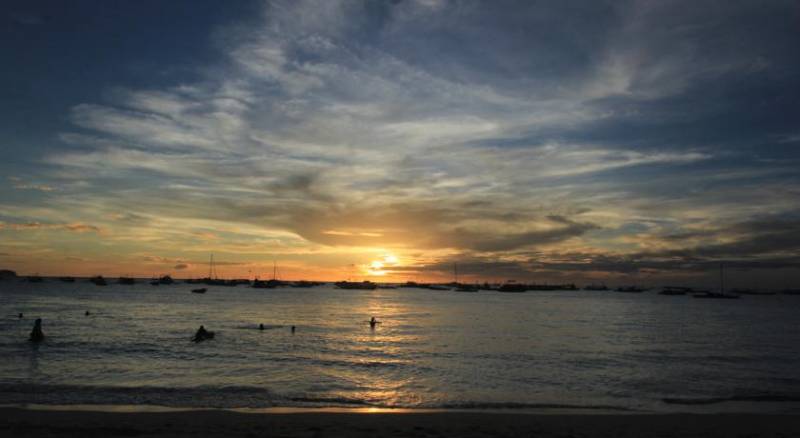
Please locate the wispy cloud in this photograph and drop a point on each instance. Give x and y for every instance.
(436, 126)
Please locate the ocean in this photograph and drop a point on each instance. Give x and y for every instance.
(433, 349)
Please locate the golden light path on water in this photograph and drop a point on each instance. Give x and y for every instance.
(432, 349)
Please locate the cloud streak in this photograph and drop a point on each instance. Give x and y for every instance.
(611, 130)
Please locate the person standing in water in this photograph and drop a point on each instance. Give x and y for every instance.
(36, 334)
(293, 329)
(373, 322)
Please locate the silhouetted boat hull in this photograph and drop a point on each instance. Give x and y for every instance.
(364, 285)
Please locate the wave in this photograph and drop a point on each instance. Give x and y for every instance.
(230, 397)
(734, 398)
(519, 405)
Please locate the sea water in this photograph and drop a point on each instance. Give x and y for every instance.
(432, 349)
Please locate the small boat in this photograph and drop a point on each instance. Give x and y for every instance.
(630, 289)
(716, 295)
(268, 284)
(675, 290)
(35, 279)
(364, 285)
(721, 295)
(748, 291)
(99, 280)
(412, 284)
(302, 284)
(202, 290)
(466, 288)
(513, 288)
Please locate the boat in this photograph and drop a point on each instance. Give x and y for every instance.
(716, 295)
(513, 287)
(412, 284)
(551, 287)
(386, 286)
(270, 284)
(675, 290)
(721, 294)
(437, 287)
(165, 279)
(303, 284)
(596, 287)
(466, 288)
(748, 291)
(630, 289)
(35, 278)
(99, 280)
(364, 285)
(202, 290)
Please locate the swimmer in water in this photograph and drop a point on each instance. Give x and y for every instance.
(86, 313)
(261, 326)
(202, 334)
(36, 334)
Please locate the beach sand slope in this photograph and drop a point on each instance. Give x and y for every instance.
(15, 422)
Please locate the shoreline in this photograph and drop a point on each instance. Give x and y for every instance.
(365, 410)
(24, 422)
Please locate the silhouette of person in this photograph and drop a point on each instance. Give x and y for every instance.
(20, 316)
(293, 329)
(372, 322)
(261, 326)
(86, 313)
(202, 334)
(36, 333)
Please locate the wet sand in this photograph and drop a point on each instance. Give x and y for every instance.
(15, 422)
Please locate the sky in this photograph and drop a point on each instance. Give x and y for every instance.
(560, 141)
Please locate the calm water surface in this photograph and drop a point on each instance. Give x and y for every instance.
(433, 349)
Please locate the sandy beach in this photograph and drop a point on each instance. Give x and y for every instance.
(19, 422)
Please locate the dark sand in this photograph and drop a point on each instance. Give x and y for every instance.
(16, 422)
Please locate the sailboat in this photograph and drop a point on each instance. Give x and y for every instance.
(270, 284)
(721, 294)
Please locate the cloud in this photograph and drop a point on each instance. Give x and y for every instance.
(181, 266)
(597, 136)
(72, 227)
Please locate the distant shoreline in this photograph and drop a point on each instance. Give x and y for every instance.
(36, 423)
